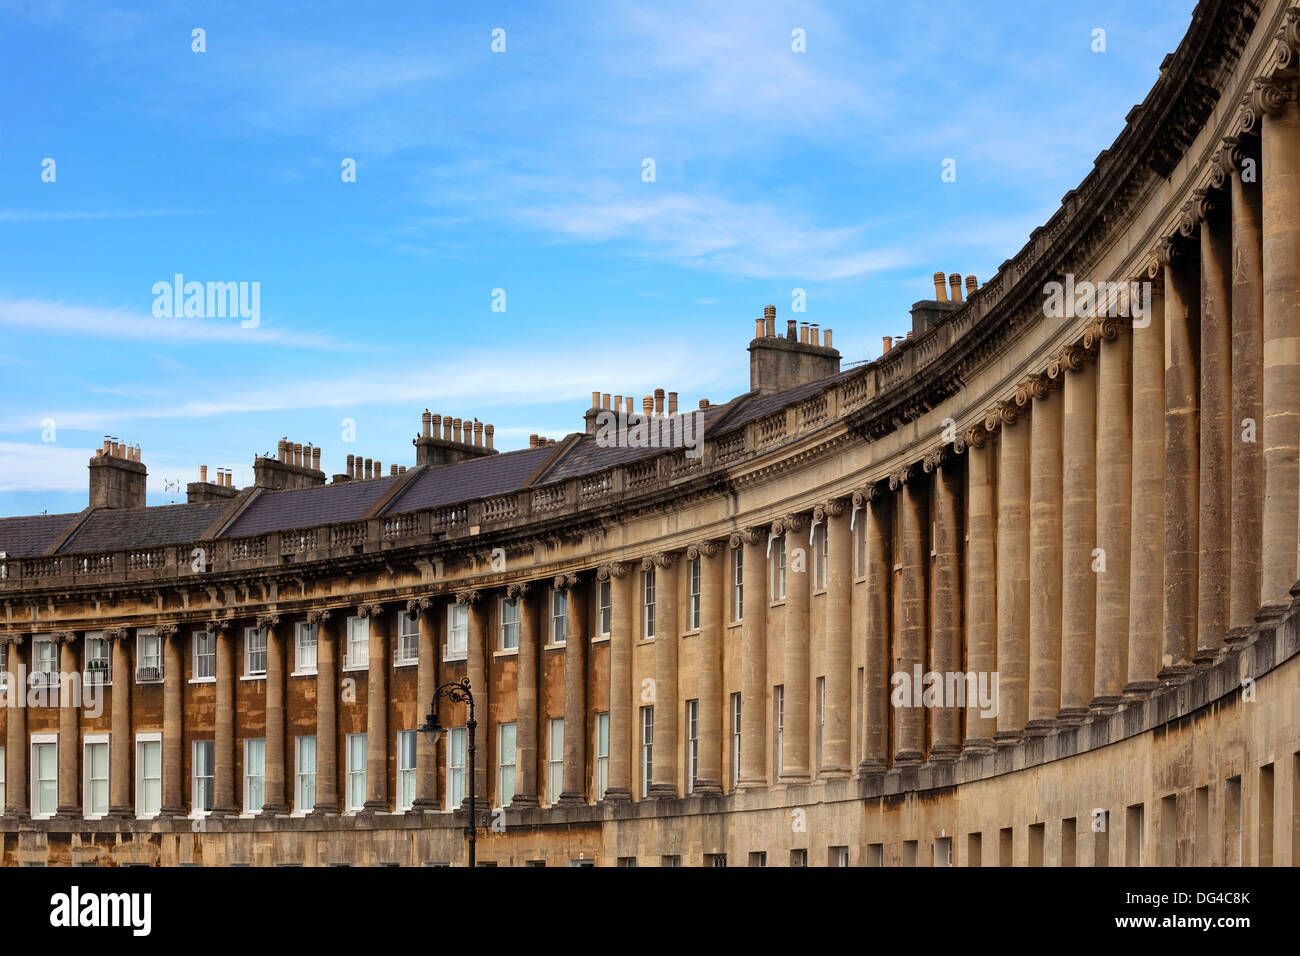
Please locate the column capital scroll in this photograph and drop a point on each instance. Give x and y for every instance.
(747, 536)
(703, 549)
(318, 615)
(468, 596)
(417, 606)
(615, 569)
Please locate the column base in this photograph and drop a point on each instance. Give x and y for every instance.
(424, 805)
(1039, 727)
(612, 795)
(1236, 635)
(708, 788)
(794, 778)
(1006, 738)
(371, 807)
(570, 799)
(942, 753)
(977, 746)
(662, 791)
(1270, 613)
(1173, 671)
(907, 757)
(1205, 655)
(172, 811)
(753, 784)
(273, 810)
(526, 801)
(871, 766)
(1071, 716)
(1105, 703)
(1140, 688)
(67, 813)
(324, 809)
(119, 813)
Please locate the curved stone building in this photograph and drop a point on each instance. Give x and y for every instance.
(1071, 493)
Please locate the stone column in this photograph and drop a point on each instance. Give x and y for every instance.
(708, 776)
(327, 699)
(981, 587)
(1013, 571)
(224, 791)
(16, 789)
(945, 598)
(376, 709)
(621, 606)
(1078, 528)
(476, 670)
(1114, 488)
(574, 789)
(795, 761)
(1046, 565)
(275, 801)
(664, 771)
(426, 685)
(1214, 568)
(1146, 619)
(1247, 376)
(873, 512)
(909, 719)
(1182, 318)
(753, 658)
(836, 753)
(1279, 116)
(526, 696)
(173, 765)
(69, 729)
(119, 767)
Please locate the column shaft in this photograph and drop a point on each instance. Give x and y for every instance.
(1280, 186)
(1013, 580)
(945, 640)
(119, 769)
(981, 588)
(526, 699)
(426, 684)
(327, 696)
(795, 761)
(909, 719)
(664, 769)
(1214, 567)
(575, 696)
(708, 778)
(836, 754)
(1182, 319)
(1146, 620)
(1114, 529)
(16, 733)
(173, 768)
(1046, 564)
(1247, 403)
(753, 661)
(69, 804)
(622, 582)
(377, 713)
(476, 670)
(1079, 538)
(275, 796)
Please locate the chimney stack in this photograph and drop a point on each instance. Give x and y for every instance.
(971, 286)
(659, 403)
(628, 404)
(118, 479)
(886, 343)
(672, 403)
(791, 333)
(769, 320)
(425, 421)
(648, 406)
(478, 434)
(954, 281)
(826, 341)
(604, 402)
(777, 363)
(487, 432)
(940, 294)
(704, 403)
(595, 399)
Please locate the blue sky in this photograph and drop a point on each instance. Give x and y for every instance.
(775, 170)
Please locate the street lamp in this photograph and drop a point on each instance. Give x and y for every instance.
(456, 691)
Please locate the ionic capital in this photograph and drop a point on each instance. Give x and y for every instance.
(468, 596)
(417, 606)
(64, 637)
(120, 633)
(704, 549)
(1106, 328)
(831, 508)
(1031, 387)
(1270, 96)
(660, 560)
(615, 569)
(565, 582)
(168, 631)
(318, 615)
(934, 458)
(900, 476)
(1003, 413)
(747, 536)
(267, 621)
(790, 524)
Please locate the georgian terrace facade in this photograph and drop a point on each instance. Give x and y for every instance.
(690, 660)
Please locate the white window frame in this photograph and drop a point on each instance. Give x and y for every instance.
(2, 777)
(356, 624)
(253, 780)
(196, 803)
(406, 650)
(821, 556)
(198, 640)
(507, 760)
(778, 717)
(600, 767)
(692, 743)
(648, 604)
(821, 720)
(559, 616)
(508, 628)
(554, 759)
(96, 676)
(455, 780)
(356, 777)
(604, 607)
(148, 637)
(255, 637)
(87, 767)
(408, 745)
(145, 740)
(305, 635)
(301, 775)
(647, 748)
(778, 569)
(736, 715)
(738, 583)
(693, 571)
(457, 646)
(42, 740)
(43, 674)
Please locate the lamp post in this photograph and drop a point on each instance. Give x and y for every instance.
(457, 691)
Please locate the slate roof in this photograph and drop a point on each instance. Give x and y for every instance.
(477, 478)
(30, 536)
(282, 510)
(144, 527)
